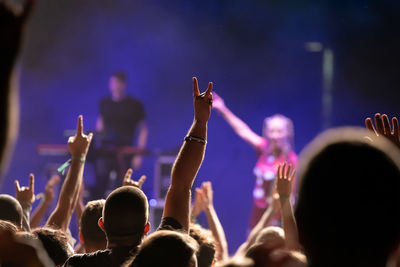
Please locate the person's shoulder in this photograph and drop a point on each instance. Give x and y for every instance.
(88, 259)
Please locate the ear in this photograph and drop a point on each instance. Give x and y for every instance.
(100, 223)
(146, 228)
(81, 238)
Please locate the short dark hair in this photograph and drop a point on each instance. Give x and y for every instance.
(166, 248)
(91, 232)
(343, 178)
(10, 210)
(236, 262)
(207, 248)
(56, 244)
(125, 215)
(120, 75)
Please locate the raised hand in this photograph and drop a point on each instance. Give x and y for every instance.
(128, 180)
(48, 190)
(382, 127)
(14, 16)
(218, 102)
(284, 179)
(202, 102)
(197, 207)
(78, 145)
(26, 194)
(208, 195)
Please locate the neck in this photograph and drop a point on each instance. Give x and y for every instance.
(117, 98)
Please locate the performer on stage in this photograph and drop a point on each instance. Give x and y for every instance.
(274, 147)
(121, 116)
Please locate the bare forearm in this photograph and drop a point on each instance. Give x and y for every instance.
(218, 232)
(289, 225)
(184, 171)
(189, 158)
(61, 216)
(262, 223)
(38, 214)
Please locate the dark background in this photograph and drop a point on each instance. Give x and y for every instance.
(253, 51)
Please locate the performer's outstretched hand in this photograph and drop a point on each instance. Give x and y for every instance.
(382, 127)
(202, 102)
(218, 102)
(128, 180)
(78, 145)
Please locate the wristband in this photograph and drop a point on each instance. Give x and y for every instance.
(284, 197)
(194, 138)
(63, 167)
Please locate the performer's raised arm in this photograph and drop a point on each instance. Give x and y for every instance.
(239, 126)
(141, 143)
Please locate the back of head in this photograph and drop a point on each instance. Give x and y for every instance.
(349, 201)
(272, 237)
(236, 262)
(7, 226)
(56, 244)
(167, 249)
(120, 75)
(206, 252)
(125, 215)
(10, 210)
(91, 233)
(259, 254)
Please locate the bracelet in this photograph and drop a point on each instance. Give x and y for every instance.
(284, 197)
(63, 167)
(194, 138)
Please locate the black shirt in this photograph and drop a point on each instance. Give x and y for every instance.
(118, 255)
(120, 120)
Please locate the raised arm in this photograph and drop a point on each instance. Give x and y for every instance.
(383, 128)
(189, 159)
(78, 147)
(239, 126)
(213, 221)
(41, 209)
(285, 177)
(13, 18)
(26, 197)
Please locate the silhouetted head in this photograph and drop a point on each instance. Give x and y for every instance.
(10, 210)
(272, 237)
(207, 248)
(125, 216)
(8, 226)
(167, 249)
(56, 244)
(93, 237)
(348, 209)
(236, 262)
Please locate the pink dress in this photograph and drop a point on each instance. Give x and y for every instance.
(265, 170)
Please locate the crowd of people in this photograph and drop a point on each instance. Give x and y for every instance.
(346, 214)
